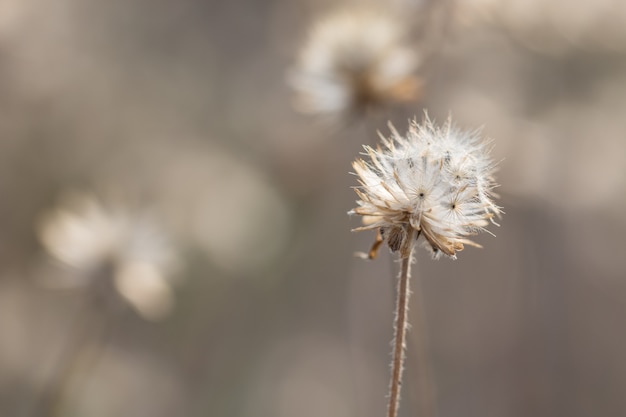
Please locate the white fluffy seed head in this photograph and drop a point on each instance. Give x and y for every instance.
(89, 236)
(353, 60)
(436, 180)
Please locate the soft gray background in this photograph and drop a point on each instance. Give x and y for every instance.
(183, 106)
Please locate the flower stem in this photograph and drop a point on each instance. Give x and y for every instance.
(51, 398)
(89, 329)
(400, 329)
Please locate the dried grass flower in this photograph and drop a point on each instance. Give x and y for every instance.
(436, 182)
(354, 60)
(91, 237)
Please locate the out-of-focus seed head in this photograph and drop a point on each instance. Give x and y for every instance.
(91, 237)
(437, 181)
(354, 60)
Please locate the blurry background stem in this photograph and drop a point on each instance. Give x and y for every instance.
(86, 337)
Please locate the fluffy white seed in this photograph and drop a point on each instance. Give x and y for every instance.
(438, 181)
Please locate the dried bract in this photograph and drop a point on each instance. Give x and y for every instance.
(354, 60)
(437, 181)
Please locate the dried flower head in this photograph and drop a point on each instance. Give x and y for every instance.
(436, 181)
(91, 237)
(353, 60)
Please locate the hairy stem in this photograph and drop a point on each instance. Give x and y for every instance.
(400, 329)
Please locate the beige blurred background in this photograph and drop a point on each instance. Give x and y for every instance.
(182, 107)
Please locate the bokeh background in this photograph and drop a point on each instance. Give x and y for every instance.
(182, 107)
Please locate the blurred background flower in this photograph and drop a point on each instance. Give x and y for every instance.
(112, 243)
(356, 59)
(184, 106)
